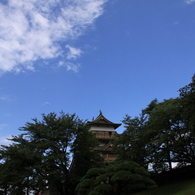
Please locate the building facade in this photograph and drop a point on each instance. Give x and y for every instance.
(104, 131)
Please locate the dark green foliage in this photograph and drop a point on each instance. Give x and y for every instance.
(84, 157)
(130, 145)
(40, 156)
(115, 179)
(17, 171)
(162, 129)
(95, 193)
(170, 138)
(187, 95)
(162, 134)
(103, 189)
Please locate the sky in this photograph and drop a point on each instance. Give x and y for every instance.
(90, 55)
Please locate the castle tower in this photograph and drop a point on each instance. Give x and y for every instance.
(105, 133)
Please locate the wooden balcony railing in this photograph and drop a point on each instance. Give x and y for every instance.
(109, 158)
(105, 136)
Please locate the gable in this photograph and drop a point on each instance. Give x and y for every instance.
(100, 120)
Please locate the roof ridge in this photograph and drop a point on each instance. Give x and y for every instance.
(101, 116)
(101, 119)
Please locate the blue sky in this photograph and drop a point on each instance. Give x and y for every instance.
(87, 55)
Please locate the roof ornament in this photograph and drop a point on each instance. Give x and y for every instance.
(101, 112)
(101, 120)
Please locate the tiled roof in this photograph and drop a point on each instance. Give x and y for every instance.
(101, 119)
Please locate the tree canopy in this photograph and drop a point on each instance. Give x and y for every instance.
(40, 157)
(57, 152)
(163, 134)
(117, 179)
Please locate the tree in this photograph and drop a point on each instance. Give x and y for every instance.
(84, 157)
(158, 137)
(52, 137)
(170, 138)
(160, 129)
(164, 129)
(123, 178)
(130, 145)
(187, 95)
(45, 148)
(15, 170)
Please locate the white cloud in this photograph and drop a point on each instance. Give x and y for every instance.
(45, 103)
(6, 98)
(73, 52)
(3, 98)
(2, 126)
(190, 1)
(69, 66)
(32, 30)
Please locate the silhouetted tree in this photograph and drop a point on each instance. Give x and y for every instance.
(41, 155)
(121, 178)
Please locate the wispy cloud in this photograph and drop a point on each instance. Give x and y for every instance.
(190, 1)
(6, 98)
(4, 140)
(73, 53)
(69, 66)
(45, 103)
(2, 126)
(34, 30)
(3, 98)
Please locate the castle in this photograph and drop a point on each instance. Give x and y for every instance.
(104, 131)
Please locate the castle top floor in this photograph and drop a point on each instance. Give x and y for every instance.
(101, 123)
